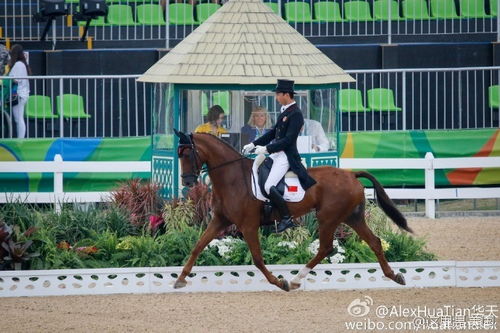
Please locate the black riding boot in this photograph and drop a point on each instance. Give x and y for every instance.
(278, 202)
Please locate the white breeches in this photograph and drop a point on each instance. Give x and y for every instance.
(279, 169)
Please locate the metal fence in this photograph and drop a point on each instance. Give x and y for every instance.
(82, 106)
(127, 20)
(421, 99)
(379, 100)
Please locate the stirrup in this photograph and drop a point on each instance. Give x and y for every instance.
(285, 223)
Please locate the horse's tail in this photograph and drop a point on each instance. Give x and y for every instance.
(385, 202)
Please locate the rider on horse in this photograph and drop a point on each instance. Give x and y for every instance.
(281, 143)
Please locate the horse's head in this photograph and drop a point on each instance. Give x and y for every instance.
(189, 157)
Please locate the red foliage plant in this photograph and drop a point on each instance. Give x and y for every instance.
(140, 199)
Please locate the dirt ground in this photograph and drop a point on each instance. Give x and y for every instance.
(450, 239)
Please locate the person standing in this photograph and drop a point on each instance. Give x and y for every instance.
(19, 68)
(281, 143)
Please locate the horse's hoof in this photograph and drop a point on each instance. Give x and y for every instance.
(284, 285)
(294, 286)
(180, 284)
(400, 279)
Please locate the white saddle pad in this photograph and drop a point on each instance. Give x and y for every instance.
(293, 193)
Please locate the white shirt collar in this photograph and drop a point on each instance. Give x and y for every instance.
(284, 107)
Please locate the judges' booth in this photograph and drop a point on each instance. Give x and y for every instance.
(249, 111)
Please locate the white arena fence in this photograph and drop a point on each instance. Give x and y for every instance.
(342, 19)
(245, 278)
(429, 193)
(119, 106)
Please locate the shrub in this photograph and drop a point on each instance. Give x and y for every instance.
(140, 199)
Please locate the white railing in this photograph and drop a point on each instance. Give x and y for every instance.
(119, 106)
(144, 280)
(430, 193)
(58, 167)
(343, 20)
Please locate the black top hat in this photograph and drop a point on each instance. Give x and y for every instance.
(284, 86)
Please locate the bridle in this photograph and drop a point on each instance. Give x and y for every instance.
(196, 161)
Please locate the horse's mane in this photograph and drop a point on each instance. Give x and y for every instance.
(221, 141)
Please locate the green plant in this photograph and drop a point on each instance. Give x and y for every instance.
(201, 196)
(178, 215)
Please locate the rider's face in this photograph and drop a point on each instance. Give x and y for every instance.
(283, 98)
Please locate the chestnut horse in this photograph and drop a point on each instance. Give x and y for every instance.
(337, 197)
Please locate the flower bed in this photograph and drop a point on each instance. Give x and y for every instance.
(139, 230)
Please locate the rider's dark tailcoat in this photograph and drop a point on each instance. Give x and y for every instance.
(284, 138)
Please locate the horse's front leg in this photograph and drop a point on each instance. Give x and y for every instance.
(252, 238)
(215, 226)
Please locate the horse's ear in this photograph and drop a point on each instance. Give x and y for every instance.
(177, 133)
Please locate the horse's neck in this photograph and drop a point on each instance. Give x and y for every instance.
(226, 176)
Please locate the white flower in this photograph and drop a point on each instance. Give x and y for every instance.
(314, 247)
(290, 245)
(224, 246)
(337, 258)
(335, 243)
(340, 249)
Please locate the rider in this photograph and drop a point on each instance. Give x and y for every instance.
(281, 143)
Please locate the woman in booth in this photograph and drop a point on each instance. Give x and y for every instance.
(258, 125)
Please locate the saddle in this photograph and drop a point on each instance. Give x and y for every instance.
(289, 186)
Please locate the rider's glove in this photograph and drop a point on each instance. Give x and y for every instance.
(248, 148)
(261, 150)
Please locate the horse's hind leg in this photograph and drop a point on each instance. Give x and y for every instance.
(357, 221)
(215, 226)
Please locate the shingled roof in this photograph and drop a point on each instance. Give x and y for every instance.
(245, 42)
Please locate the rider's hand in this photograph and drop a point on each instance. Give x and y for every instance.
(248, 148)
(261, 150)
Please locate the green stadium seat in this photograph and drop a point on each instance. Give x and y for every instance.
(222, 98)
(205, 10)
(181, 14)
(494, 96)
(327, 11)
(72, 106)
(351, 100)
(415, 10)
(381, 10)
(299, 12)
(150, 14)
(381, 99)
(120, 15)
(357, 11)
(274, 6)
(494, 7)
(39, 107)
(472, 9)
(443, 9)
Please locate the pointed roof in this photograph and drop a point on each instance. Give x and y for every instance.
(245, 42)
